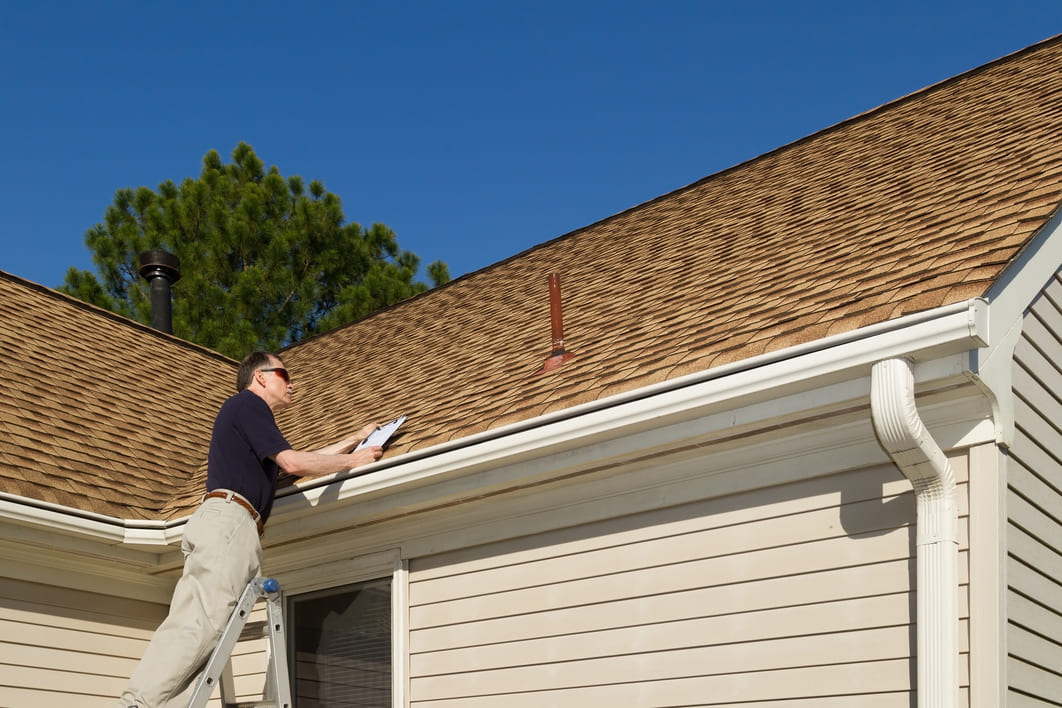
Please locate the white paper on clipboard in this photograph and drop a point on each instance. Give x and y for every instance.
(382, 434)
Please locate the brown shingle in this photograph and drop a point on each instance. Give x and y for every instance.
(920, 203)
(105, 415)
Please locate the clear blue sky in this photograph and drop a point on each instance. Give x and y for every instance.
(474, 129)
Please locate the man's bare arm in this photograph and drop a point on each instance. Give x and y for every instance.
(312, 464)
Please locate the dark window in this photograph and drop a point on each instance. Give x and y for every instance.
(342, 646)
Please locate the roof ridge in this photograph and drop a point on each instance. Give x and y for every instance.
(851, 120)
(858, 118)
(93, 309)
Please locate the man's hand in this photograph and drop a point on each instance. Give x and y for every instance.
(366, 455)
(367, 431)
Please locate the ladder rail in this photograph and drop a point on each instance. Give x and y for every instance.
(218, 667)
(278, 652)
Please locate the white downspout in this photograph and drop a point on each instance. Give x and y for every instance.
(904, 437)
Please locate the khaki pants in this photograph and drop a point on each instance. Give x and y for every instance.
(222, 553)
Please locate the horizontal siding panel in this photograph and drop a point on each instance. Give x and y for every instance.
(16, 633)
(14, 657)
(778, 532)
(47, 681)
(92, 624)
(1051, 292)
(14, 697)
(1036, 429)
(1035, 586)
(72, 605)
(1045, 310)
(821, 650)
(1032, 552)
(792, 591)
(809, 558)
(1019, 700)
(774, 562)
(699, 604)
(800, 497)
(1034, 459)
(1032, 680)
(1034, 375)
(876, 700)
(1034, 395)
(1042, 327)
(805, 621)
(1022, 644)
(1030, 615)
(825, 681)
(1035, 496)
(60, 647)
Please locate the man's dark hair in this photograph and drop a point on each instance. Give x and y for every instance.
(251, 363)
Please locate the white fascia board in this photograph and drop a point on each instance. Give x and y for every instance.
(1010, 296)
(24, 513)
(761, 389)
(1022, 281)
(944, 336)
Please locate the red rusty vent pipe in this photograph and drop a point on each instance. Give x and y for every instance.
(556, 319)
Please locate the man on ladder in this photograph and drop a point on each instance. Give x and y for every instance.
(222, 540)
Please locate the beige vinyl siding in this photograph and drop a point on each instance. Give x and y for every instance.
(798, 594)
(1034, 509)
(67, 649)
(60, 648)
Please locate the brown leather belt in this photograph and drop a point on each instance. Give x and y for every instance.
(229, 495)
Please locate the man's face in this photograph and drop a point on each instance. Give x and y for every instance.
(278, 388)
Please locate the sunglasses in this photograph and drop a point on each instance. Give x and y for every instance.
(282, 373)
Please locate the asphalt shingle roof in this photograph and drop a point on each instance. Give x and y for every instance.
(101, 414)
(918, 204)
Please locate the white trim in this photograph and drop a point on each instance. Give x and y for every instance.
(365, 568)
(311, 577)
(23, 511)
(988, 577)
(400, 634)
(1023, 280)
(766, 380)
(1010, 296)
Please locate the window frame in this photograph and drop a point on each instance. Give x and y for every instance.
(337, 575)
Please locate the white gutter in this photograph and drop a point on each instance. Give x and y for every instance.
(85, 524)
(952, 329)
(909, 444)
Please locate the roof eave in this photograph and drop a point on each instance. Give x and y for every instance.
(635, 423)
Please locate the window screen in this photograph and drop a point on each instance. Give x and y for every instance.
(342, 646)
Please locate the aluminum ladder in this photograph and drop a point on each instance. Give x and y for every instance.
(219, 666)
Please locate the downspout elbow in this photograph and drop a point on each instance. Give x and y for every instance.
(908, 443)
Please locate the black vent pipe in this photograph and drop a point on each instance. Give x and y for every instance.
(162, 270)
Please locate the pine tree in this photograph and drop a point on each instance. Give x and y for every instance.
(265, 260)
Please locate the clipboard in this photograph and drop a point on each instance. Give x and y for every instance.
(381, 435)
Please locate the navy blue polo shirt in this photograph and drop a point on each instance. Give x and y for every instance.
(245, 436)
